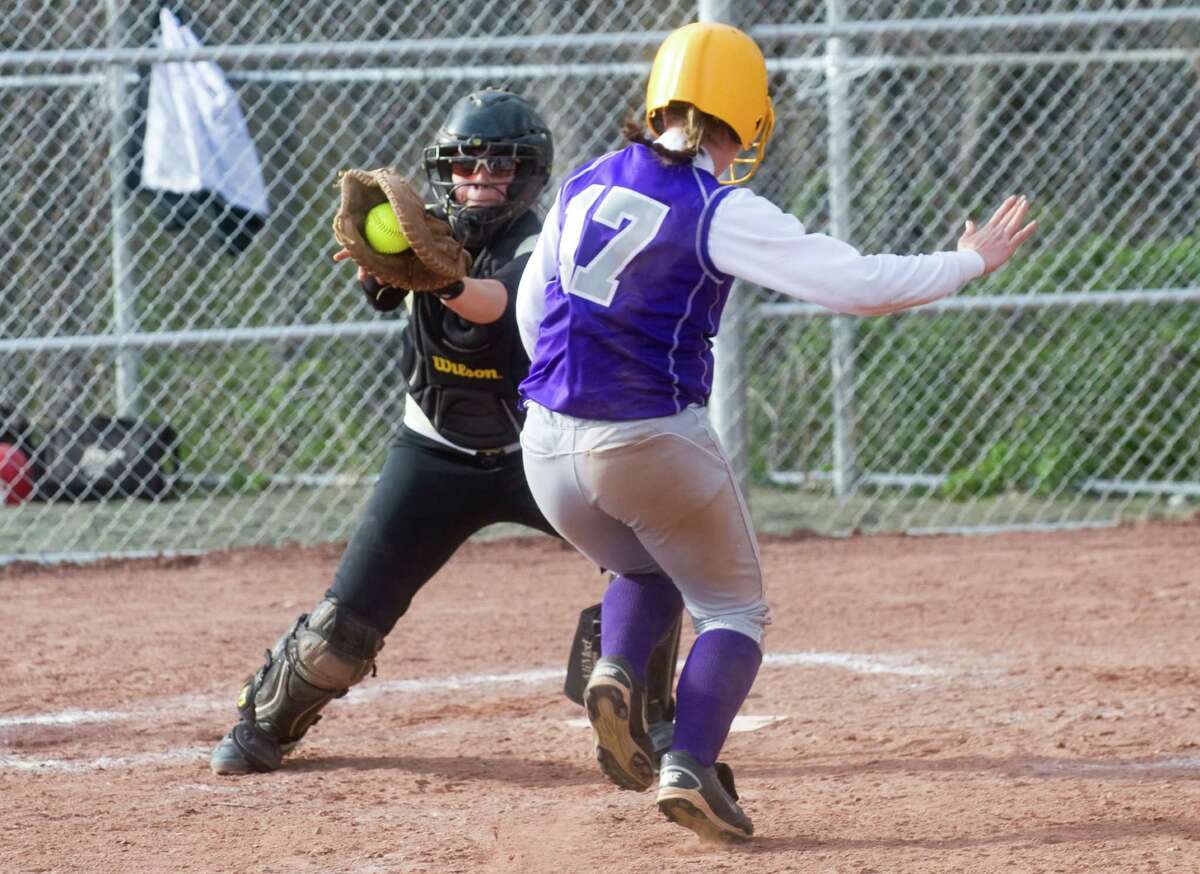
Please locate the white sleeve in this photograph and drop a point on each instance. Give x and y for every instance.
(753, 239)
(540, 269)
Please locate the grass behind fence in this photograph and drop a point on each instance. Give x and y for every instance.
(1032, 400)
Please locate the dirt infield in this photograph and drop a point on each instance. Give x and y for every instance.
(1013, 703)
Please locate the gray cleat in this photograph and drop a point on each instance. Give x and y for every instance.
(701, 799)
(246, 749)
(616, 708)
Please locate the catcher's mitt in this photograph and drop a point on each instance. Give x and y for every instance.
(435, 258)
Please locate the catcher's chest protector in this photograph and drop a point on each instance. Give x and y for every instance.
(465, 376)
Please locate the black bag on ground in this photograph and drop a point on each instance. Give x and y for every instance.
(102, 457)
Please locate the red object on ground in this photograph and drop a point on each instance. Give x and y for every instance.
(16, 479)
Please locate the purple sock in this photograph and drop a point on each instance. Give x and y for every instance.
(636, 612)
(715, 681)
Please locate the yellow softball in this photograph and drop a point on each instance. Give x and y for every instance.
(383, 232)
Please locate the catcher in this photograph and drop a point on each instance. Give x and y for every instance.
(454, 466)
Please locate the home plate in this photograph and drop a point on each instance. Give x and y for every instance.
(740, 723)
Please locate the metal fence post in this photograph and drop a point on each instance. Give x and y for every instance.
(838, 145)
(727, 406)
(716, 10)
(124, 306)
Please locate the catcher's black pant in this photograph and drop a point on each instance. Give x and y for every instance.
(428, 501)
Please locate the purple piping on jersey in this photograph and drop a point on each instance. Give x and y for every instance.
(698, 245)
(702, 232)
(700, 256)
(702, 227)
(705, 223)
(675, 346)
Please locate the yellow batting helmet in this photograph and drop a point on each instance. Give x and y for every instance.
(720, 70)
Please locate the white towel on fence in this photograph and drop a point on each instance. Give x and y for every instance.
(196, 137)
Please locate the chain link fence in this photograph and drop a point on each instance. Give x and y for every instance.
(1062, 390)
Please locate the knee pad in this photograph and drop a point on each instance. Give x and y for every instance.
(323, 654)
(334, 648)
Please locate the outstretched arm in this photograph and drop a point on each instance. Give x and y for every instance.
(753, 239)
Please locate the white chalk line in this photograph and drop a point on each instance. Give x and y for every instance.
(104, 763)
(741, 722)
(1173, 763)
(188, 704)
(185, 705)
(859, 664)
(450, 684)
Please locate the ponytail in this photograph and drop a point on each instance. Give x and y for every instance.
(696, 126)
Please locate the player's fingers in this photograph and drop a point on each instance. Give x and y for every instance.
(1024, 234)
(1016, 218)
(999, 215)
(341, 255)
(969, 227)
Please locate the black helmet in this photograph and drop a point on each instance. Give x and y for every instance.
(490, 124)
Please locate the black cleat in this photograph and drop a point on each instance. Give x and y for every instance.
(246, 749)
(701, 799)
(616, 708)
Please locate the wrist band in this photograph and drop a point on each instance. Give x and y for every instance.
(450, 292)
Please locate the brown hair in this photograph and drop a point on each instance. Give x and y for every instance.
(696, 126)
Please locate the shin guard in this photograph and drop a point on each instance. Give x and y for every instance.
(323, 654)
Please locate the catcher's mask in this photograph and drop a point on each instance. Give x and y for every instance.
(505, 131)
(720, 70)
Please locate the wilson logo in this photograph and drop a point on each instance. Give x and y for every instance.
(445, 365)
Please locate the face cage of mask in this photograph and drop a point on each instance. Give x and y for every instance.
(475, 225)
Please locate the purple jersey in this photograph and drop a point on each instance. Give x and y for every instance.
(631, 312)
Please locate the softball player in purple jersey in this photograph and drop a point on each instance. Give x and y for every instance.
(617, 308)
